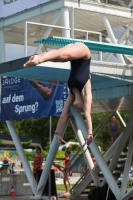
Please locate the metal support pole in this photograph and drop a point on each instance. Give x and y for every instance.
(86, 36)
(72, 21)
(50, 124)
(65, 21)
(25, 39)
(100, 52)
(112, 37)
(125, 33)
(120, 40)
(124, 124)
(49, 161)
(101, 162)
(2, 46)
(48, 31)
(79, 3)
(127, 165)
(85, 151)
(22, 156)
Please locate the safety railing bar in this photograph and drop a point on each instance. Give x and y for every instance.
(62, 27)
(82, 30)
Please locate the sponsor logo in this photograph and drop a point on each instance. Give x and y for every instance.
(8, 1)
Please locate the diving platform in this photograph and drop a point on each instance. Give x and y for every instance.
(110, 81)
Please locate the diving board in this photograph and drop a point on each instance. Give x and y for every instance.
(92, 45)
(119, 73)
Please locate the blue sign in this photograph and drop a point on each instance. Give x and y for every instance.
(22, 99)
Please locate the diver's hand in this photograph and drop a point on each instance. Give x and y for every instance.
(59, 138)
(89, 139)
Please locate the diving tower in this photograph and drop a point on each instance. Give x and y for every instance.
(111, 71)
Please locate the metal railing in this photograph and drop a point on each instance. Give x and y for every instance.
(72, 32)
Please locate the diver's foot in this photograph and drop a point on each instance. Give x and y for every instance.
(66, 194)
(78, 105)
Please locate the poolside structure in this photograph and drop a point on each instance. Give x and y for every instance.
(112, 82)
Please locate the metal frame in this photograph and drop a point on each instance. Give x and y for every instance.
(112, 37)
(119, 193)
(85, 151)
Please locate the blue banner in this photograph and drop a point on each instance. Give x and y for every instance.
(22, 99)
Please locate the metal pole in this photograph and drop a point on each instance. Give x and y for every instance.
(48, 31)
(2, 53)
(50, 169)
(125, 33)
(25, 39)
(2, 46)
(65, 22)
(50, 130)
(100, 52)
(86, 36)
(112, 37)
(120, 40)
(85, 151)
(124, 124)
(72, 21)
(22, 156)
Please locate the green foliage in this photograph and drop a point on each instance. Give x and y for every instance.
(45, 154)
(47, 146)
(3, 127)
(61, 187)
(64, 148)
(26, 144)
(75, 147)
(40, 127)
(60, 154)
(1, 141)
(8, 154)
(1, 157)
(29, 155)
(69, 134)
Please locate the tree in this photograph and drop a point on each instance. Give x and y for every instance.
(26, 144)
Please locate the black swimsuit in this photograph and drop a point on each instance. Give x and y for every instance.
(79, 75)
